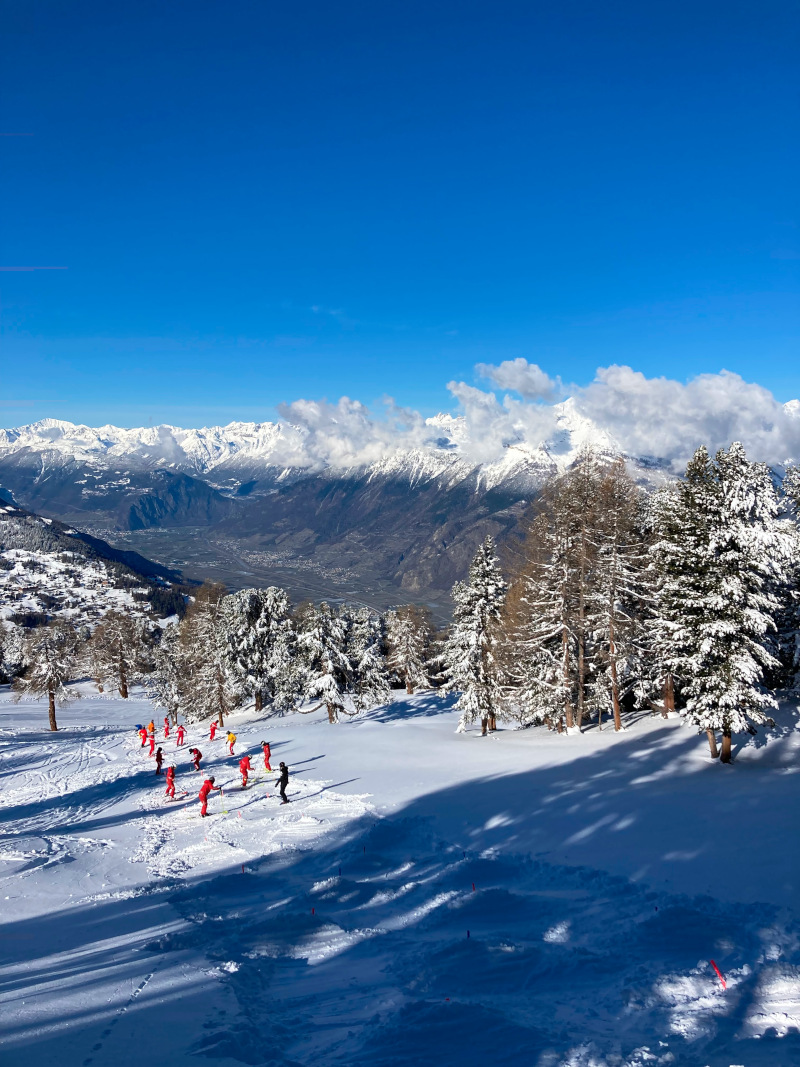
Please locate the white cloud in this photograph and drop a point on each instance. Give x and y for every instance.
(669, 419)
(520, 376)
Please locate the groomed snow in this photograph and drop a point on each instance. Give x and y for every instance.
(608, 870)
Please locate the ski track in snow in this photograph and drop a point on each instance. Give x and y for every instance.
(337, 931)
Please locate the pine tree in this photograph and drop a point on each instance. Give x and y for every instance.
(116, 651)
(722, 552)
(166, 684)
(369, 678)
(469, 657)
(51, 658)
(409, 640)
(260, 638)
(321, 643)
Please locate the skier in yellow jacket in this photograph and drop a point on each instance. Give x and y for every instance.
(231, 739)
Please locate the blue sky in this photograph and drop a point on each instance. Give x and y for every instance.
(257, 202)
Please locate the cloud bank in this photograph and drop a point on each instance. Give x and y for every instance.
(656, 418)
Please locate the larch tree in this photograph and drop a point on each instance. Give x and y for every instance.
(211, 690)
(51, 659)
(470, 654)
(409, 639)
(116, 651)
(619, 594)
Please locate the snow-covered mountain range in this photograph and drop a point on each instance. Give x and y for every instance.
(431, 448)
(399, 503)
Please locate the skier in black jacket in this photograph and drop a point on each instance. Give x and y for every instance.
(283, 781)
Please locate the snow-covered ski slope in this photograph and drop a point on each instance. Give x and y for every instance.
(608, 870)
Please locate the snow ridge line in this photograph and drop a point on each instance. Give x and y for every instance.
(117, 1017)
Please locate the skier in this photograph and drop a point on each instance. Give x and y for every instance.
(213, 730)
(159, 761)
(181, 735)
(265, 746)
(205, 789)
(166, 728)
(143, 735)
(231, 739)
(152, 744)
(196, 755)
(245, 768)
(151, 729)
(170, 791)
(283, 781)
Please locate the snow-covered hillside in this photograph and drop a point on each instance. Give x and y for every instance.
(426, 898)
(50, 571)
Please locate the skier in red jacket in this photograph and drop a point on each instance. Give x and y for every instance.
(181, 735)
(213, 729)
(245, 768)
(152, 744)
(196, 755)
(159, 761)
(265, 746)
(143, 735)
(205, 789)
(170, 791)
(166, 727)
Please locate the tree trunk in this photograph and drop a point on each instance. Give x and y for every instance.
(712, 743)
(568, 702)
(409, 687)
(492, 723)
(123, 684)
(51, 707)
(259, 701)
(669, 697)
(581, 632)
(484, 727)
(612, 653)
(725, 755)
(219, 717)
(332, 713)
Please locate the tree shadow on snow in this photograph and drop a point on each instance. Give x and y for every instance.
(355, 951)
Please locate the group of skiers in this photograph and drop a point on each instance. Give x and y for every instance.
(147, 734)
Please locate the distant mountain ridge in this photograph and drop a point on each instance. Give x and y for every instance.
(438, 445)
(405, 506)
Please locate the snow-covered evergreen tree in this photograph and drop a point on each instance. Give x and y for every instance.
(260, 639)
(167, 682)
(469, 657)
(722, 552)
(539, 639)
(51, 659)
(409, 640)
(369, 677)
(321, 642)
(116, 651)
